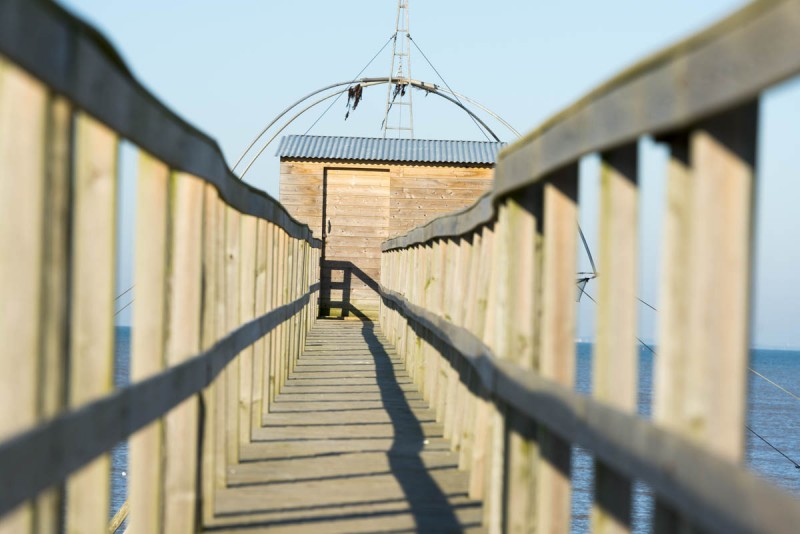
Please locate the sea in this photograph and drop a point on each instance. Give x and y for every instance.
(119, 454)
(772, 413)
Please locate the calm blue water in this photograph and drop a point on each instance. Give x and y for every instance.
(772, 413)
(119, 455)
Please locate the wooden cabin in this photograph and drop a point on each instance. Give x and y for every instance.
(357, 192)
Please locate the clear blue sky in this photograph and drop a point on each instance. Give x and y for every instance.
(229, 67)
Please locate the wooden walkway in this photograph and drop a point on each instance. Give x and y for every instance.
(349, 446)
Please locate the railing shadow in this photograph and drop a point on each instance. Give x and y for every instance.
(429, 504)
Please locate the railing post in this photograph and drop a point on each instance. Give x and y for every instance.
(247, 309)
(410, 287)
(557, 355)
(282, 281)
(496, 430)
(413, 346)
(210, 323)
(25, 165)
(479, 479)
(434, 304)
(277, 300)
(291, 273)
(670, 376)
(299, 265)
(723, 152)
(398, 337)
(459, 406)
(494, 504)
(274, 262)
(261, 365)
(309, 281)
(181, 430)
(315, 277)
(616, 358)
(232, 311)
(55, 284)
(708, 245)
(291, 276)
(304, 289)
(92, 314)
(448, 374)
(220, 313)
(422, 268)
(470, 322)
(300, 276)
(517, 275)
(148, 343)
(387, 280)
(442, 356)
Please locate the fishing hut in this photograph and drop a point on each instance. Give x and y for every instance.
(357, 192)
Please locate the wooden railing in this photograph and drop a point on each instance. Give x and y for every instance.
(225, 285)
(482, 304)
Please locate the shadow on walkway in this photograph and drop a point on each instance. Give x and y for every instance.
(423, 493)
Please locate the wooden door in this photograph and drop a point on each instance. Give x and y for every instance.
(355, 220)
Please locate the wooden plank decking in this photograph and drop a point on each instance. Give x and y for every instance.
(349, 446)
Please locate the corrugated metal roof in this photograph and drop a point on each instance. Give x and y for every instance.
(375, 149)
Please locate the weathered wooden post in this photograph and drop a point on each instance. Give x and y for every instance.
(148, 343)
(181, 424)
(557, 353)
(616, 359)
(92, 313)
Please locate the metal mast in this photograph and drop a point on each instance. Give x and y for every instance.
(399, 115)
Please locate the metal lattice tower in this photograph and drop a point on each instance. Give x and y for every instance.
(399, 115)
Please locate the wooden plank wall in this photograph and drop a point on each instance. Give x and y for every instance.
(419, 193)
(367, 203)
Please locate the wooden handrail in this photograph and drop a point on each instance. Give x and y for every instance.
(481, 303)
(226, 284)
(44, 455)
(715, 494)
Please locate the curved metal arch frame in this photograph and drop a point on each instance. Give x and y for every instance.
(428, 87)
(282, 128)
(368, 82)
(434, 87)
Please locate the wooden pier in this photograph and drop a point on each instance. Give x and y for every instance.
(455, 409)
(349, 445)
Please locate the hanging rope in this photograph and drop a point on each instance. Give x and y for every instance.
(645, 345)
(354, 78)
(796, 465)
(762, 438)
(588, 253)
(773, 383)
(124, 293)
(447, 85)
(749, 368)
(646, 304)
(123, 308)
